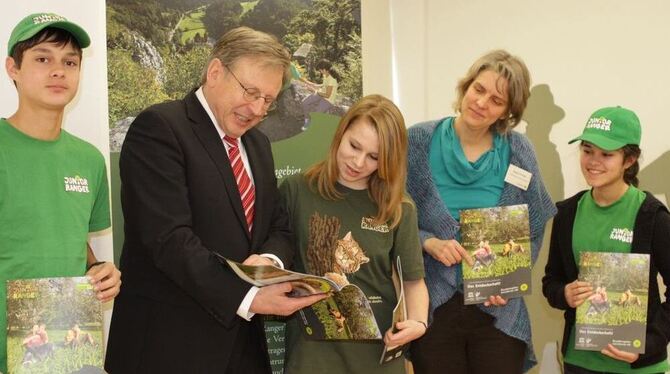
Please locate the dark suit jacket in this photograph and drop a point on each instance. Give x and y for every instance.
(176, 312)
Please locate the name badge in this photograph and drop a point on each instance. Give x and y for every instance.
(518, 177)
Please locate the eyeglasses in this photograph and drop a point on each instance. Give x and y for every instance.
(252, 94)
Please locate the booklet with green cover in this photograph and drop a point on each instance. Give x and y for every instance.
(616, 312)
(498, 240)
(54, 325)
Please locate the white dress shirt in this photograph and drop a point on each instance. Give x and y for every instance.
(243, 309)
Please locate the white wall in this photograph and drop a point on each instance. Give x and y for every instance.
(86, 116)
(591, 54)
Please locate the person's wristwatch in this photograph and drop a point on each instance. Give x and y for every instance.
(88, 267)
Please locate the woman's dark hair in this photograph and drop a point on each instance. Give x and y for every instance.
(630, 174)
(326, 65)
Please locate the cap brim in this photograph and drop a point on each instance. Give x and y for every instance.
(77, 32)
(82, 36)
(599, 141)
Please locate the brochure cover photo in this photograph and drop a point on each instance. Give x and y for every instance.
(616, 313)
(498, 240)
(54, 325)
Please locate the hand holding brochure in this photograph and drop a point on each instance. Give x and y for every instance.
(265, 275)
(345, 315)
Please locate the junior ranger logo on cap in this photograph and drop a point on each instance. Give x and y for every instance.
(611, 128)
(600, 123)
(44, 18)
(34, 23)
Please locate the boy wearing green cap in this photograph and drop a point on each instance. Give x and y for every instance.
(594, 220)
(53, 185)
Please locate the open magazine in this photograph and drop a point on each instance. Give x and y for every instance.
(54, 325)
(498, 240)
(345, 315)
(616, 313)
(399, 315)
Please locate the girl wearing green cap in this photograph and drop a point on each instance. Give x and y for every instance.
(609, 153)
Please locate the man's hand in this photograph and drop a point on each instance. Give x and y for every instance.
(273, 300)
(106, 280)
(256, 260)
(576, 292)
(448, 252)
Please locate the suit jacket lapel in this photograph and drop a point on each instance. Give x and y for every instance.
(209, 137)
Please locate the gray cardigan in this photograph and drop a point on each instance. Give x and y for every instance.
(435, 221)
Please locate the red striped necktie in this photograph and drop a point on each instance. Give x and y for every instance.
(244, 185)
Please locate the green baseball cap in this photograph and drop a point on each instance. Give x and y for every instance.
(34, 23)
(611, 128)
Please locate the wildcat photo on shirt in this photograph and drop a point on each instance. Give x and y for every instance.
(346, 314)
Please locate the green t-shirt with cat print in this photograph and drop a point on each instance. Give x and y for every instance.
(313, 217)
(606, 229)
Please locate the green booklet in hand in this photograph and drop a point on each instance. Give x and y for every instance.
(498, 241)
(616, 312)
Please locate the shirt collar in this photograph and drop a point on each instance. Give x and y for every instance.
(201, 98)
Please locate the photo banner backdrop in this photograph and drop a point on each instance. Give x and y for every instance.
(157, 51)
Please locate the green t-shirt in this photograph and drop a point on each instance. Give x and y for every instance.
(52, 194)
(380, 244)
(606, 229)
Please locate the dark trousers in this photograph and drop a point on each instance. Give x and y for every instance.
(572, 369)
(249, 355)
(463, 340)
(144, 334)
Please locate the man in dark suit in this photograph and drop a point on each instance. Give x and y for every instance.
(185, 195)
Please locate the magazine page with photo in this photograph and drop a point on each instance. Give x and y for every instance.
(498, 240)
(345, 315)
